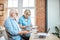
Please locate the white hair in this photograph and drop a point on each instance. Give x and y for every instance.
(13, 11)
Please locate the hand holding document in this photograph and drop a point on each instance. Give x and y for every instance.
(33, 29)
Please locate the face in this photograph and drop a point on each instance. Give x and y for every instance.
(27, 15)
(14, 15)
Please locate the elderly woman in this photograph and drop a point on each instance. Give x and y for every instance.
(25, 23)
(12, 26)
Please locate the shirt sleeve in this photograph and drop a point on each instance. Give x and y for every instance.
(10, 28)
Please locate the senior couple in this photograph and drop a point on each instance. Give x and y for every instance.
(18, 30)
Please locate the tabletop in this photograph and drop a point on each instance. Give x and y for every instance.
(48, 37)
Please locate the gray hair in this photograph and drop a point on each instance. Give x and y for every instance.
(13, 11)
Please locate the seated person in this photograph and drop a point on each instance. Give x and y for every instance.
(12, 26)
(25, 22)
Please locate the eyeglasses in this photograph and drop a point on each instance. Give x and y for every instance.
(17, 14)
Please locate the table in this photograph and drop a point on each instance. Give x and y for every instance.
(49, 37)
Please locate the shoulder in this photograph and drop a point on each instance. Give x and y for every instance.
(7, 20)
(21, 18)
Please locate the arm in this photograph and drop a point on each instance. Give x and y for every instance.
(10, 28)
(20, 23)
(23, 32)
(23, 27)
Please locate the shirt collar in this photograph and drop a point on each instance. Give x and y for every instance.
(25, 18)
(11, 18)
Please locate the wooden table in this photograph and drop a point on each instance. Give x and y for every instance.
(49, 37)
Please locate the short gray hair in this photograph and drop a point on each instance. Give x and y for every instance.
(13, 11)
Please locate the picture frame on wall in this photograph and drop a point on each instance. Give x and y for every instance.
(1, 9)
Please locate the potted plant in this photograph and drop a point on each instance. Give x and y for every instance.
(57, 33)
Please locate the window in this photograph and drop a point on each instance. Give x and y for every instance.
(28, 3)
(12, 4)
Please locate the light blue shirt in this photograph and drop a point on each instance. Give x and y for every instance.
(12, 27)
(22, 20)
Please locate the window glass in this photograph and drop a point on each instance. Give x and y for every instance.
(12, 3)
(28, 3)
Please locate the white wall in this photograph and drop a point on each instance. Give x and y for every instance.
(53, 14)
(59, 11)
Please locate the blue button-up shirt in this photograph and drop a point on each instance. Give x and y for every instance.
(13, 28)
(24, 22)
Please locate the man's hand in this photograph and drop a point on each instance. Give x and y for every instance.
(23, 32)
(23, 27)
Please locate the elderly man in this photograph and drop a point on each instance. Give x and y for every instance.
(25, 23)
(12, 26)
